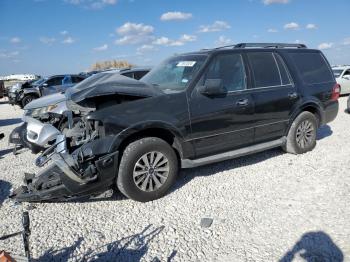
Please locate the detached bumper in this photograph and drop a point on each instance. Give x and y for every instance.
(69, 176)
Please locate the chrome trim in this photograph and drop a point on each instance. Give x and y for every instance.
(278, 68)
(44, 132)
(223, 133)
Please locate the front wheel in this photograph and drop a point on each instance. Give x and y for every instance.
(147, 169)
(301, 137)
(27, 99)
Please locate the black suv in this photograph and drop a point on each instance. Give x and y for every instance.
(193, 109)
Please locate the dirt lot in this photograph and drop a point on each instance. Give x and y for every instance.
(266, 207)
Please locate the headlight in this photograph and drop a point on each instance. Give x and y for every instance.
(40, 111)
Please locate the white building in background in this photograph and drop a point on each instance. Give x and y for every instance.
(19, 77)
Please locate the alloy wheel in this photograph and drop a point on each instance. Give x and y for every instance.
(151, 171)
(305, 134)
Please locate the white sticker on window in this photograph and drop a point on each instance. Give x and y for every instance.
(186, 63)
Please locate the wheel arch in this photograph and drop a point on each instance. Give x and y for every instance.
(165, 132)
(311, 107)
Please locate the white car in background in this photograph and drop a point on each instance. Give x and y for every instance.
(342, 75)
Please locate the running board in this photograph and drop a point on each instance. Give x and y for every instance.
(189, 163)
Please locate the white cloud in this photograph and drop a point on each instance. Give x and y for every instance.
(269, 2)
(188, 38)
(311, 26)
(101, 48)
(92, 4)
(346, 41)
(145, 48)
(272, 30)
(180, 42)
(68, 40)
(223, 40)
(47, 40)
(9, 54)
(175, 16)
(134, 33)
(215, 27)
(325, 46)
(132, 28)
(15, 40)
(64, 32)
(291, 26)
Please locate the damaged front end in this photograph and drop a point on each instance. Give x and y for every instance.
(81, 163)
(83, 158)
(89, 169)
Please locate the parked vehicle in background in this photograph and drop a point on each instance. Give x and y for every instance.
(2, 89)
(193, 109)
(50, 110)
(342, 76)
(24, 94)
(348, 105)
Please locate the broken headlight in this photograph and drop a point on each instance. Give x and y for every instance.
(37, 112)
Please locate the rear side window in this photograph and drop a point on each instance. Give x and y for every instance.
(265, 70)
(312, 67)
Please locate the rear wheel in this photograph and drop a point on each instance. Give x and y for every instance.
(147, 169)
(27, 99)
(301, 137)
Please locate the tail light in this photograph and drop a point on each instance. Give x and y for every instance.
(335, 92)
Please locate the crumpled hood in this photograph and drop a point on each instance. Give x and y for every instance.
(104, 84)
(46, 101)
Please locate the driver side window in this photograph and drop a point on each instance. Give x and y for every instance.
(230, 69)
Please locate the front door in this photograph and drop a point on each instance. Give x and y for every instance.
(51, 85)
(224, 122)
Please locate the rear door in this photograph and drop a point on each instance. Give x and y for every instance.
(273, 92)
(222, 123)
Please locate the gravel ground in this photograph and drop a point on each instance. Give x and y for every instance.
(266, 207)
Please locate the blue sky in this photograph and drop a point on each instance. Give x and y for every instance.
(67, 36)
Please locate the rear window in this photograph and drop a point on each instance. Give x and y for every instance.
(312, 67)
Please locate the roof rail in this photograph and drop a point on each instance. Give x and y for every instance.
(269, 45)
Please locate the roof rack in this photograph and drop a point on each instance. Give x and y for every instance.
(269, 45)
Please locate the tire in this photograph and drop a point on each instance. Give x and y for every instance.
(27, 99)
(132, 169)
(301, 137)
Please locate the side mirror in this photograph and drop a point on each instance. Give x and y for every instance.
(347, 77)
(213, 87)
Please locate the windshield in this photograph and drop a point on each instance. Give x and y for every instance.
(337, 72)
(175, 73)
(39, 81)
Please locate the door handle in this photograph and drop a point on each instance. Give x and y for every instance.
(293, 95)
(242, 102)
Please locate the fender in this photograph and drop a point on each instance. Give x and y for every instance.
(143, 127)
(312, 103)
